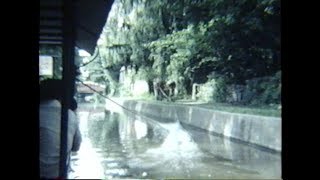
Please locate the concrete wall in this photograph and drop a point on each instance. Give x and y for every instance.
(258, 130)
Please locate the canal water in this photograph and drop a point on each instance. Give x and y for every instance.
(125, 146)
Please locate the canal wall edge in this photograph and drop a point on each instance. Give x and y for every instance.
(257, 130)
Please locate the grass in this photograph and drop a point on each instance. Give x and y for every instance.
(272, 111)
(262, 110)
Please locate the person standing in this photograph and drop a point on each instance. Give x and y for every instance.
(50, 128)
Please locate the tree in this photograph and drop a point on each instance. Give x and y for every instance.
(186, 41)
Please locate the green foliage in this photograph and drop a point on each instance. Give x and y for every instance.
(185, 41)
(266, 90)
(207, 91)
(50, 50)
(145, 96)
(221, 92)
(145, 73)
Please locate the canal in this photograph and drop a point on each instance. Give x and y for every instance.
(127, 146)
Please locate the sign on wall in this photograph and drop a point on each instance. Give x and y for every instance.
(45, 65)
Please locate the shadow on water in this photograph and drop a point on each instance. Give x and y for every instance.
(127, 146)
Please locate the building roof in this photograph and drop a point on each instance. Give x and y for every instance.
(89, 19)
(84, 89)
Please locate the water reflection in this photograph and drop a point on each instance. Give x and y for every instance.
(262, 162)
(127, 146)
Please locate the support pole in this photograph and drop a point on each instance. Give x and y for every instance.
(68, 81)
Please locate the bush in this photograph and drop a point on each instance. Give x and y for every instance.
(258, 91)
(207, 90)
(221, 92)
(264, 91)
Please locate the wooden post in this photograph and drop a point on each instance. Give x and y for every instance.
(194, 91)
(68, 81)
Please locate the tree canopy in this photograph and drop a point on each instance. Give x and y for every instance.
(192, 41)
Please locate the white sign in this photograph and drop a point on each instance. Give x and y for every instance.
(46, 65)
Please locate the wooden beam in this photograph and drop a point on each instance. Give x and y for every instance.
(50, 3)
(44, 22)
(45, 18)
(51, 14)
(50, 34)
(50, 31)
(50, 7)
(46, 37)
(51, 42)
(51, 26)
